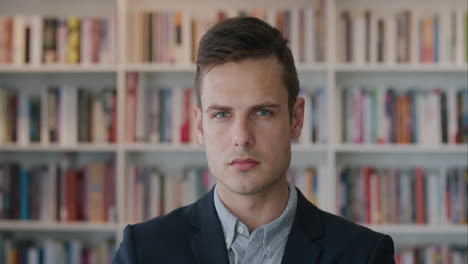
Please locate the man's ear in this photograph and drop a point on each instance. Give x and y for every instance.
(297, 118)
(197, 112)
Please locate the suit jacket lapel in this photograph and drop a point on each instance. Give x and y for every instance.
(307, 227)
(208, 244)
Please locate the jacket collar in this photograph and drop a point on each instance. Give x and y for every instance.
(208, 244)
(307, 228)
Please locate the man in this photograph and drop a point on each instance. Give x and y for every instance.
(248, 111)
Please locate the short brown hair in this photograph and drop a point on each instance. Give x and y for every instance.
(237, 39)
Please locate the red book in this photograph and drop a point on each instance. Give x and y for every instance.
(420, 197)
(80, 195)
(95, 39)
(448, 200)
(221, 16)
(107, 192)
(379, 197)
(9, 42)
(113, 130)
(72, 195)
(186, 126)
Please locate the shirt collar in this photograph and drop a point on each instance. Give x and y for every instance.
(227, 219)
(275, 232)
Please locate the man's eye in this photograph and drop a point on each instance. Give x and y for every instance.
(263, 113)
(222, 115)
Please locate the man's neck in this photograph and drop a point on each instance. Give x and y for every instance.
(257, 209)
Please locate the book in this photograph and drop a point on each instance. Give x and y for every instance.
(32, 251)
(410, 116)
(382, 195)
(58, 192)
(36, 40)
(407, 36)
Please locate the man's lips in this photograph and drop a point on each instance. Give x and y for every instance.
(244, 164)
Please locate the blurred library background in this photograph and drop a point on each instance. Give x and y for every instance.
(96, 127)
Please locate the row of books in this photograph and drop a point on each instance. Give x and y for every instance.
(173, 37)
(308, 180)
(314, 129)
(158, 115)
(151, 193)
(426, 117)
(63, 114)
(54, 251)
(40, 40)
(157, 37)
(371, 195)
(432, 253)
(408, 36)
(58, 192)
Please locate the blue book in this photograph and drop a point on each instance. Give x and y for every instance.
(41, 255)
(2, 239)
(464, 128)
(24, 197)
(69, 254)
(167, 126)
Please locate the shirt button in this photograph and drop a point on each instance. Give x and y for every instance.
(268, 248)
(240, 229)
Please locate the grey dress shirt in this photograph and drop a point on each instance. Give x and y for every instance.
(265, 245)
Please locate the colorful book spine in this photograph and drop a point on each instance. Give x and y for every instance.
(413, 116)
(419, 196)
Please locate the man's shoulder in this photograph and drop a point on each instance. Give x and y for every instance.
(173, 223)
(340, 225)
(342, 235)
(158, 239)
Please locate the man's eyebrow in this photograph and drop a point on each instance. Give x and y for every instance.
(218, 108)
(265, 105)
(227, 108)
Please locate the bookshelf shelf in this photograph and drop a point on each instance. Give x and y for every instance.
(159, 67)
(399, 148)
(190, 68)
(38, 226)
(459, 230)
(401, 68)
(59, 148)
(318, 67)
(311, 148)
(140, 147)
(58, 69)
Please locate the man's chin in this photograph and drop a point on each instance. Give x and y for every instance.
(244, 188)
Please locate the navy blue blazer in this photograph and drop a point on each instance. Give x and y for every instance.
(193, 234)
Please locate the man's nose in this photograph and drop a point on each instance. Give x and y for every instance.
(242, 134)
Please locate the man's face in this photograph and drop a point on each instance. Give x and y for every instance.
(245, 124)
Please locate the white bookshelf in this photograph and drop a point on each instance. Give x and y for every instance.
(330, 74)
(401, 148)
(428, 68)
(39, 226)
(81, 147)
(419, 229)
(57, 68)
